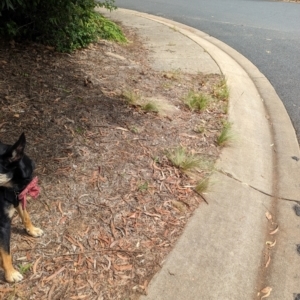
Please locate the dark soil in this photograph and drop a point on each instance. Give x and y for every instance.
(112, 206)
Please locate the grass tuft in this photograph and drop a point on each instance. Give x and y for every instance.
(221, 91)
(143, 187)
(183, 160)
(226, 135)
(196, 101)
(202, 185)
(24, 268)
(150, 107)
(131, 97)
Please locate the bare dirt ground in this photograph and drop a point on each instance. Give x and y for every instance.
(112, 205)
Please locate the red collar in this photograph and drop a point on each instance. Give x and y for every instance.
(32, 189)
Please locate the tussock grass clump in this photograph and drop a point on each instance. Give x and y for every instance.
(131, 97)
(183, 160)
(150, 107)
(221, 91)
(226, 136)
(202, 185)
(196, 101)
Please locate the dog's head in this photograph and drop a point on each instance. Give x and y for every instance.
(16, 168)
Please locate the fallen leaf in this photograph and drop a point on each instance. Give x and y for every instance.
(113, 229)
(54, 275)
(269, 216)
(275, 230)
(179, 205)
(271, 244)
(35, 265)
(268, 261)
(109, 263)
(267, 291)
(121, 128)
(122, 267)
(59, 208)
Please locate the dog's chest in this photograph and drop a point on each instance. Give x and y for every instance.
(10, 210)
(4, 179)
(8, 202)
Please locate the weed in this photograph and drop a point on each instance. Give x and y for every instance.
(183, 160)
(202, 185)
(131, 97)
(221, 90)
(134, 129)
(150, 107)
(156, 159)
(143, 187)
(226, 135)
(80, 130)
(196, 101)
(24, 268)
(225, 108)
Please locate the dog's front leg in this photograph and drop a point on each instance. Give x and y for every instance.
(31, 230)
(10, 273)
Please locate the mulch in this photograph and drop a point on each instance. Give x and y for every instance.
(112, 205)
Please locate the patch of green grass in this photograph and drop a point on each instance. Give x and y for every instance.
(80, 130)
(225, 107)
(143, 187)
(24, 268)
(131, 97)
(196, 101)
(150, 107)
(183, 160)
(226, 136)
(134, 129)
(221, 91)
(156, 159)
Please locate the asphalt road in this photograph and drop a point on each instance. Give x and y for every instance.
(266, 32)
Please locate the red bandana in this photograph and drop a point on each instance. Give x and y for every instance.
(32, 189)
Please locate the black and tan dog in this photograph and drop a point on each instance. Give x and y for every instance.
(16, 173)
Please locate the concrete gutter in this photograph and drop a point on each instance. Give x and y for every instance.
(222, 253)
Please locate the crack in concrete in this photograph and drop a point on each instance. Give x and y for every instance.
(254, 188)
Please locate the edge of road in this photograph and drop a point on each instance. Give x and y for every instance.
(222, 253)
(280, 123)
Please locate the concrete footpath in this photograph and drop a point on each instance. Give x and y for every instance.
(248, 238)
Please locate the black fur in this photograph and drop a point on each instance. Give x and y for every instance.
(16, 172)
(16, 165)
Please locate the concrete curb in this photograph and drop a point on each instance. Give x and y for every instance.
(283, 132)
(222, 253)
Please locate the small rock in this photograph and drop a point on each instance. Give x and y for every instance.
(297, 209)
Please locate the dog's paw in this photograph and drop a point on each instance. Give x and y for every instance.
(34, 231)
(13, 276)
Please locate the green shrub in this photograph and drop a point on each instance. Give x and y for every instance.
(64, 24)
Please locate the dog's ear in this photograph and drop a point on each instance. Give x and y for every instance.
(16, 152)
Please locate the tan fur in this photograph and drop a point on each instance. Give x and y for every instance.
(31, 230)
(11, 274)
(4, 179)
(10, 211)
